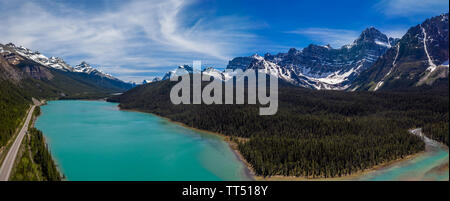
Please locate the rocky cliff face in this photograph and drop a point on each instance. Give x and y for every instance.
(420, 55)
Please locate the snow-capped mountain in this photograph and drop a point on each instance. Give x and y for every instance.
(56, 62)
(316, 67)
(84, 67)
(177, 72)
(322, 67)
(156, 79)
(181, 70)
(146, 81)
(40, 66)
(369, 63)
(217, 74)
(52, 62)
(420, 57)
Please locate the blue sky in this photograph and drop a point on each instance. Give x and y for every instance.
(140, 39)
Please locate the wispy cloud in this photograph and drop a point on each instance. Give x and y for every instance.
(128, 38)
(335, 37)
(410, 8)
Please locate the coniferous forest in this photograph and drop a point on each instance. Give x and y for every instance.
(437, 131)
(314, 133)
(36, 163)
(13, 108)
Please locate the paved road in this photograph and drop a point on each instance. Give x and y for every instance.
(8, 163)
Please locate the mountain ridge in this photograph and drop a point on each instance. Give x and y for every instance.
(420, 55)
(361, 65)
(315, 66)
(40, 67)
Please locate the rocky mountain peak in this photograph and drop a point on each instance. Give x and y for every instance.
(293, 51)
(372, 35)
(83, 64)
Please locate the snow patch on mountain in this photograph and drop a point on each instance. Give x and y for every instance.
(57, 63)
(430, 61)
(383, 43)
(380, 83)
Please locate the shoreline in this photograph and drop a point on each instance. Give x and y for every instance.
(248, 170)
(350, 177)
(58, 168)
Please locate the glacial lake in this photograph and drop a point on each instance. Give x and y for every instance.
(94, 140)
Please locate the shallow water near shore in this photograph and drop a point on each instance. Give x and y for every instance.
(431, 165)
(94, 140)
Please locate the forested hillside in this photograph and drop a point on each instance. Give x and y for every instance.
(22, 79)
(13, 106)
(35, 163)
(314, 133)
(437, 131)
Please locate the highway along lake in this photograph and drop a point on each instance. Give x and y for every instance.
(94, 140)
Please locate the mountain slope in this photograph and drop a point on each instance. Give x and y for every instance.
(82, 73)
(419, 58)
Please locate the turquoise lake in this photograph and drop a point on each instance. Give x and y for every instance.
(94, 140)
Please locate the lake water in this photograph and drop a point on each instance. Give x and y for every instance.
(431, 165)
(94, 140)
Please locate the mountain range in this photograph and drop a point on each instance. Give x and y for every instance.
(53, 75)
(372, 62)
(369, 63)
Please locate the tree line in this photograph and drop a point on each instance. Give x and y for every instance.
(314, 133)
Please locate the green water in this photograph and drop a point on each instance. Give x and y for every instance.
(94, 140)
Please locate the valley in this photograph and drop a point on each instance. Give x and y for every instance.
(343, 113)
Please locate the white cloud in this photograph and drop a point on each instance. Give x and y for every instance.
(408, 8)
(142, 34)
(335, 37)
